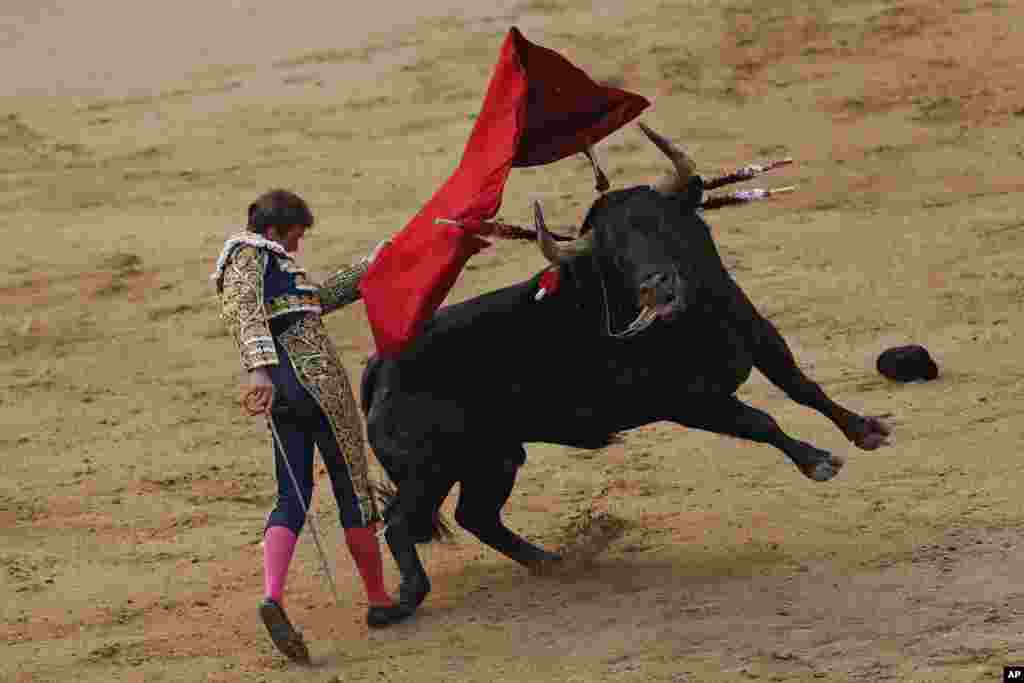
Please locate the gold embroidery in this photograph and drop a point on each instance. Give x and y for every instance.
(292, 303)
(319, 369)
(342, 288)
(242, 306)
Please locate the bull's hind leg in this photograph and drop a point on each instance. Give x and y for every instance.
(482, 495)
(398, 428)
(733, 417)
(415, 583)
(410, 521)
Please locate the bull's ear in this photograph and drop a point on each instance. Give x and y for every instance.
(683, 166)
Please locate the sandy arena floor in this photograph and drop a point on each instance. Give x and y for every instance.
(133, 491)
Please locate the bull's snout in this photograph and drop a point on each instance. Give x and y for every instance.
(662, 291)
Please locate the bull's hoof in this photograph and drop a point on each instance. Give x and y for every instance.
(412, 593)
(873, 433)
(824, 469)
(379, 617)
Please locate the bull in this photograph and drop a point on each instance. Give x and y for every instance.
(651, 327)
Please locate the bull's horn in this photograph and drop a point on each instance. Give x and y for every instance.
(601, 183)
(674, 182)
(549, 247)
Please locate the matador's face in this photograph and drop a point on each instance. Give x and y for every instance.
(289, 237)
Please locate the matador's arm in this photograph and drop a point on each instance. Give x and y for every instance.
(342, 288)
(242, 307)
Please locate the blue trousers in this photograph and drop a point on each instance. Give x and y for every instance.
(301, 425)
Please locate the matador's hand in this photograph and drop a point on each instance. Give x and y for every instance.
(258, 392)
(372, 256)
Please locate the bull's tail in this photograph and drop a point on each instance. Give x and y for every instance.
(387, 494)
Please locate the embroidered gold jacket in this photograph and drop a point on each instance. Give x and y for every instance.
(258, 281)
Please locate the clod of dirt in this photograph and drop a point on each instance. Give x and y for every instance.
(122, 261)
(107, 651)
(587, 535)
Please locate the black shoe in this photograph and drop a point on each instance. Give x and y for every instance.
(379, 617)
(285, 637)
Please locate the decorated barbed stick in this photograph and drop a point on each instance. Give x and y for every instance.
(743, 197)
(745, 173)
(514, 232)
(505, 230)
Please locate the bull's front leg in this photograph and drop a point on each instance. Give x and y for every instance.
(732, 417)
(772, 356)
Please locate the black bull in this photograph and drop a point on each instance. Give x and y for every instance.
(504, 368)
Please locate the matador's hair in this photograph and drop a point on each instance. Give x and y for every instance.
(280, 209)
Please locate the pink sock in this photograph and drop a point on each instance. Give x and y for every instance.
(278, 547)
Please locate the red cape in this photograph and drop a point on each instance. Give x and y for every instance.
(539, 108)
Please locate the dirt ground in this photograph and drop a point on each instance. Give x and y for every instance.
(133, 491)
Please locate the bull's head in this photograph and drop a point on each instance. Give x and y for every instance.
(635, 240)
